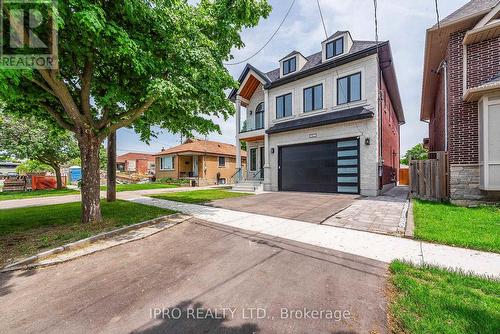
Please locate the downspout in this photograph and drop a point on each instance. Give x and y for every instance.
(444, 66)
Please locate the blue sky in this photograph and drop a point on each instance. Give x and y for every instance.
(402, 22)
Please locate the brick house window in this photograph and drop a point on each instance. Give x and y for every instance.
(222, 161)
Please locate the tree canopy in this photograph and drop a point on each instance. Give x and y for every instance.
(154, 62)
(417, 152)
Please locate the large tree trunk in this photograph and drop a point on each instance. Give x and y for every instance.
(111, 177)
(57, 170)
(89, 153)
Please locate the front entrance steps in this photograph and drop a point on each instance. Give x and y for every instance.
(249, 186)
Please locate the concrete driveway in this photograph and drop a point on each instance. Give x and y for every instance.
(200, 278)
(308, 207)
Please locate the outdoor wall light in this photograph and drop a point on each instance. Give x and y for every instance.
(367, 141)
(272, 150)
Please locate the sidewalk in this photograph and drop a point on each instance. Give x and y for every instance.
(40, 201)
(370, 245)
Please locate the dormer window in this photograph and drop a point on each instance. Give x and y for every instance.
(289, 66)
(335, 48)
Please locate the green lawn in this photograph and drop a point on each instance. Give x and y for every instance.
(430, 300)
(477, 228)
(199, 196)
(35, 193)
(141, 186)
(26, 231)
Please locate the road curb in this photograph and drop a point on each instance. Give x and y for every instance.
(29, 262)
(410, 223)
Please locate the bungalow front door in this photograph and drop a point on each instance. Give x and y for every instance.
(195, 165)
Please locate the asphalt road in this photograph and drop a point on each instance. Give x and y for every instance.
(199, 277)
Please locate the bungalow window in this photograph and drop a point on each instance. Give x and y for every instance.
(313, 98)
(289, 66)
(349, 89)
(259, 116)
(335, 48)
(167, 163)
(284, 106)
(222, 161)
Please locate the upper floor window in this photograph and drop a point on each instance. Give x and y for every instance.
(335, 48)
(284, 105)
(313, 98)
(349, 88)
(259, 116)
(167, 163)
(289, 65)
(222, 161)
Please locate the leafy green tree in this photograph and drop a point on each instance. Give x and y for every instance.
(156, 62)
(44, 141)
(417, 152)
(33, 166)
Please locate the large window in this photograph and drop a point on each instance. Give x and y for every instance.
(335, 48)
(259, 116)
(284, 106)
(313, 98)
(289, 65)
(349, 89)
(167, 163)
(253, 159)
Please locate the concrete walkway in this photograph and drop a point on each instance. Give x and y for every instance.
(40, 201)
(370, 245)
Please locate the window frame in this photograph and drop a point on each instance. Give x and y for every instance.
(313, 98)
(334, 48)
(218, 161)
(284, 105)
(162, 167)
(348, 77)
(252, 159)
(259, 112)
(287, 65)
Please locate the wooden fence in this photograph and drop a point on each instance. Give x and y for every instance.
(429, 178)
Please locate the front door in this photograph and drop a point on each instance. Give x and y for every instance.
(195, 165)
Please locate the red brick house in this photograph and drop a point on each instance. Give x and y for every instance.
(461, 98)
(141, 163)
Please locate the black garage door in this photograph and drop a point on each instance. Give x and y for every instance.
(331, 166)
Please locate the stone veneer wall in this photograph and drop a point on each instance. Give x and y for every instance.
(464, 184)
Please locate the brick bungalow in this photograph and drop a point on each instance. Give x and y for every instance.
(141, 163)
(204, 161)
(461, 98)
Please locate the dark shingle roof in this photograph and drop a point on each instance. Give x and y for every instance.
(340, 116)
(470, 8)
(315, 59)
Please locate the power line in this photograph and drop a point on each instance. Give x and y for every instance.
(322, 20)
(437, 14)
(268, 41)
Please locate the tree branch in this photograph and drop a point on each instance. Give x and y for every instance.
(128, 118)
(85, 88)
(45, 87)
(59, 119)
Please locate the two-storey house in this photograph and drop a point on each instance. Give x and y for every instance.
(461, 98)
(328, 122)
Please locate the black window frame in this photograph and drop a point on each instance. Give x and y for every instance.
(313, 98)
(253, 159)
(334, 48)
(348, 77)
(284, 105)
(257, 112)
(287, 68)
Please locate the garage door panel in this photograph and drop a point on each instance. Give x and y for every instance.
(320, 167)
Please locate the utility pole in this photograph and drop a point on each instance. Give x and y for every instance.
(111, 170)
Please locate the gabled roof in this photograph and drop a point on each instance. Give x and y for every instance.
(243, 75)
(207, 147)
(337, 34)
(294, 52)
(135, 156)
(471, 8)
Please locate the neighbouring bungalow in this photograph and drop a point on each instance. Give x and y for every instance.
(202, 161)
(141, 163)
